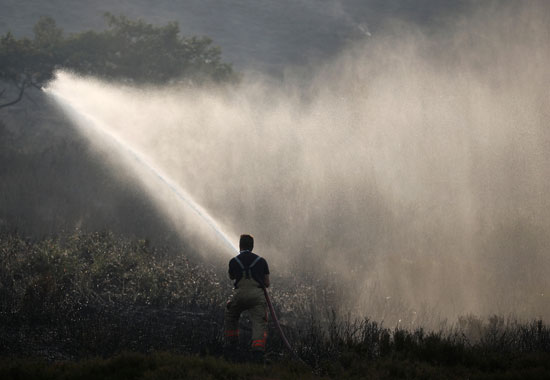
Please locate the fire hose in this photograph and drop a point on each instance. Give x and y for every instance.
(278, 325)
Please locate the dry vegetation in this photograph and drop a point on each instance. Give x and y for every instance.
(69, 299)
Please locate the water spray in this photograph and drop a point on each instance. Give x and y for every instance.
(158, 174)
(176, 190)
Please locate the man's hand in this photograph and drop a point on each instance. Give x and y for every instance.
(266, 281)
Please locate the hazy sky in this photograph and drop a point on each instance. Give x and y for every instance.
(264, 35)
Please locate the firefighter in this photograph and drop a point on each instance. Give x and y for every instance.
(250, 273)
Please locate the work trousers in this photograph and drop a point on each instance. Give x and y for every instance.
(248, 297)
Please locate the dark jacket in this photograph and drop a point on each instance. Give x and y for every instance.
(247, 258)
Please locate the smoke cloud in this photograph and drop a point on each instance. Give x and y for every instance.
(413, 168)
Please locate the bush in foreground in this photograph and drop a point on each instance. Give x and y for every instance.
(87, 295)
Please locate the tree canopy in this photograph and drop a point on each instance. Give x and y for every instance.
(127, 50)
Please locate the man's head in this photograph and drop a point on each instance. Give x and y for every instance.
(246, 243)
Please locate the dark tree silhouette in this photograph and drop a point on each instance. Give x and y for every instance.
(128, 50)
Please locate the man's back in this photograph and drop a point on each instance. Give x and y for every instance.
(249, 265)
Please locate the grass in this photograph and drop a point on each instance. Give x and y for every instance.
(166, 365)
(99, 306)
(154, 366)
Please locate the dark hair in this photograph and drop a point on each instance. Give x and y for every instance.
(246, 243)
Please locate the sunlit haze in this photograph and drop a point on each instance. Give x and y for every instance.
(413, 167)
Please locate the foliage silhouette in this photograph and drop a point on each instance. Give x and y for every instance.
(127, 51)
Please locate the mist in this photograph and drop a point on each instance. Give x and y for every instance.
(411, 169)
